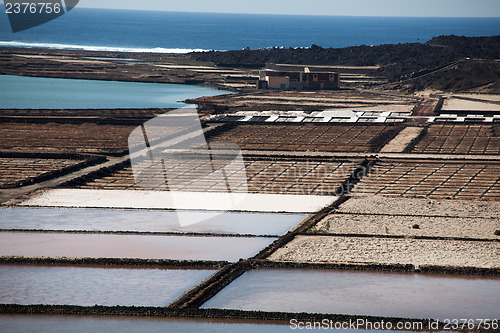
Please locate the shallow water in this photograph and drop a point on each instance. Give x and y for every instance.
(56, 323)
(129, 246)
(20, 92)
(406, 295)
(89, 286)
(145, 221)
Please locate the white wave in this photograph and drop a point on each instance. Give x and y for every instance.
(97, 48)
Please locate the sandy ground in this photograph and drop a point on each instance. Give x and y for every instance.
(333, 99)
(390, 251)
(404, 226)
(422, 207)
(385, 108)
(485, 97)
(64, 59)
(426, 93)
(403, 139)
(465, 105)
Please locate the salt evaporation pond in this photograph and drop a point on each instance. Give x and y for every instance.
(404, 295)
(23, 92)
(145, 221)
(58, 245)
(87, 286)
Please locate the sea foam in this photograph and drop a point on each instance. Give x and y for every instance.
(97, 48)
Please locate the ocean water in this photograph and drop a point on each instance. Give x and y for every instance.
(150, 31)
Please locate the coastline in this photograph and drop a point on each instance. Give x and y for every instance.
(105, 49)
(445, 63)
(80, 64)
(345, 157)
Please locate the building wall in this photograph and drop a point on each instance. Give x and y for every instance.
(317, 81)
(276, 82)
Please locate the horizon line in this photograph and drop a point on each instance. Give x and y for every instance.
(283, 14)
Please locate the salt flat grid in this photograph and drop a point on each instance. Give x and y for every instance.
(461, 181)
(467, 181)
(17, 170)
(307, 137)
(460, 139)
(86, 137)
(278, 176)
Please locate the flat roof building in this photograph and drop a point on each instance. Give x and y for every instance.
(303, 80)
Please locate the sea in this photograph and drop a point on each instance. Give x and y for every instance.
(158, 31)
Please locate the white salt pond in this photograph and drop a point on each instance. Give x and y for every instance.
(88, 286)
(57, 245)
(145, 221)
(210, 201)
(406, 295)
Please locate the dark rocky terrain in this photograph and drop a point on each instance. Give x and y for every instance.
(449, 63)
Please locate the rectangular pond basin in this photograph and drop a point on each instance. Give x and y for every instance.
(23, 92)
(404, 295)
(69, 323)
(87, 286)
(193, 201)
(146, 221)
(36, 244)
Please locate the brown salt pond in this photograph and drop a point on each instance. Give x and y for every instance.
(404, 295)
(146, 221)
(57, 323)
(87, 286)
(41, 244)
